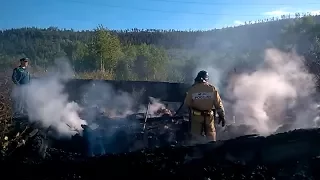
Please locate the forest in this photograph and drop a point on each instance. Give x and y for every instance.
(159, 55)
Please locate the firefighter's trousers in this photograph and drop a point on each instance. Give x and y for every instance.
(202, 124)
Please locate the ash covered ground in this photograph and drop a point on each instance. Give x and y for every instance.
(291, 155)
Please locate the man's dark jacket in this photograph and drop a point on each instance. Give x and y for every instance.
(20, 76)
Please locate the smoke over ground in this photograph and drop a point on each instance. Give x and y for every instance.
(48, 104)
(109, 109)
(280, 93)
(115, 104)
(102, 97)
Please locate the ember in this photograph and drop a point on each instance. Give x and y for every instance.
(164, 112)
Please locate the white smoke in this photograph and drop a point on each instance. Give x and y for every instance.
(280, 87)
(114, 104)
(102, 104)
(154, 106)
(48, 104)
(103, 97)
(265, 97)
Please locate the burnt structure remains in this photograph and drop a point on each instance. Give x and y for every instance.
(291, 155)
(158, 145)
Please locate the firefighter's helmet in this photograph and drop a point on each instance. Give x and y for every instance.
(202, 76)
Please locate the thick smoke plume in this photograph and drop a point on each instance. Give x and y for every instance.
(278, 95)
(47, 103)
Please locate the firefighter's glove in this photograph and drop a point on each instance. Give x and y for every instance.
(222, 121)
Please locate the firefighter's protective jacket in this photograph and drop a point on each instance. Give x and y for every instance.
(204, 97)
(20, 76)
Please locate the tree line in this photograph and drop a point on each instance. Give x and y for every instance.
(159, 55)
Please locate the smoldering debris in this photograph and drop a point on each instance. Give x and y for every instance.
(46, 103)
(245, 157)
(112, 111)
(156, 107)
(101, 98)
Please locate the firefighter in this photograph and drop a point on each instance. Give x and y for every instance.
(203, 101)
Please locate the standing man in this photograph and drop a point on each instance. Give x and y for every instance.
(204, 101)
(20, 77)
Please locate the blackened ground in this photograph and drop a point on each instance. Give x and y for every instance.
(291, 155)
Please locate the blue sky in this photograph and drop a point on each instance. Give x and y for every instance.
(142, 14)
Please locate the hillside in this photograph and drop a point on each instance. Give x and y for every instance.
(168, 51)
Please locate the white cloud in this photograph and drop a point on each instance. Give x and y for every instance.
(238, 23)
(316, 12)
(278, 13)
